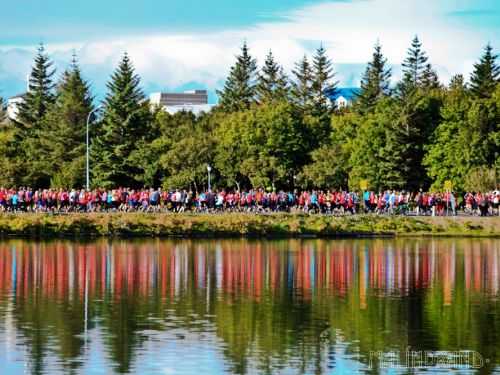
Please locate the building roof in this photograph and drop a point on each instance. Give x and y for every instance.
(18, 96)
(349, 93)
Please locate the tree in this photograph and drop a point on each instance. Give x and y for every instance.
(274, 147)
(302, 90)
(430, 79)
(444, 158)
(466, 139)
(261, 146)
(375, 81)
(231, 148)
(40, 95)
(3, 112)
(323, 85)
(481, 178)
(126, 122)
(486, 74)
(65, 125)
(413, 68)
(239, 90)
(272, 83)
(325, 170)
(9, 156)
(189, 151)
(379, 149)
(33, 168)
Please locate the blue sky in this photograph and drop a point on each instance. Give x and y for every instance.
(178, 45)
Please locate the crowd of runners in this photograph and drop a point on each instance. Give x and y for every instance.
(326, 202)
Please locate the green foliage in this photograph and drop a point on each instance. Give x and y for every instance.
(186, 158)
(326, 170)
(466, 139)
(322, 82)
(8, 159)
(272, 83)
(414, 67)
(3, 112)
(63, 142)
(375, 81)
(30, 127)
(481, 179)
(126, 122)
(239, 90)
(40, 94)
(266, 132)
(237, 225)
(302, 91)
(486, 75)
(379, 148)
(261, 145)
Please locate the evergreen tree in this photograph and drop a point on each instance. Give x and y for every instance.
(32, 166)
(239, 90)
(125, 123)
(375, 81)
(413, 68)
(65, 124)
(486, 75)
(40, 95)
(323, 85)
(272, 83)
(3, 113)
(429, 79)
(302, 93)
(465, 145)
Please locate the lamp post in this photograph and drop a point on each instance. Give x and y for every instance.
(209, 169)
(87, 174)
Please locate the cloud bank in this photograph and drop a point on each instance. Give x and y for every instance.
(173, 61)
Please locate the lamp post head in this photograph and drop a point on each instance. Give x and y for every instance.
(209, 168)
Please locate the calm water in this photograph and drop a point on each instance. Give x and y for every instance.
(238, 306)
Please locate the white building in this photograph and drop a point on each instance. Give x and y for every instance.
(13, 106)
(195, 101)
(344, 97)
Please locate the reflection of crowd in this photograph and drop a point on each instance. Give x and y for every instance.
(258, 200)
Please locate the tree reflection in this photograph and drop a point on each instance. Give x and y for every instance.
(274, 304)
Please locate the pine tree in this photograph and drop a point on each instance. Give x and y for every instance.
(375, 81)
(272, 83)
(3, 114)
(413, 68)
(239, 90)
(64, 141)
(323, 85)
(40, 94)
(32, 166)
(302, 93)
(429, 79)
(125, 122)
(486, 74)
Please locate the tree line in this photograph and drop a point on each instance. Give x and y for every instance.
(269, 129)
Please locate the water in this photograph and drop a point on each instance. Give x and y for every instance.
(240, 306)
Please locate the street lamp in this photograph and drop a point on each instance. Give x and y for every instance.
(209, 169)
(87, 179)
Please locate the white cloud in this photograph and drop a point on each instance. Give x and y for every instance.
(348, 29)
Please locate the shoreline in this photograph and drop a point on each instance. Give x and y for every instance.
(231, 225)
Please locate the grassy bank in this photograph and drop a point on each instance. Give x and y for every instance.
(226, 225)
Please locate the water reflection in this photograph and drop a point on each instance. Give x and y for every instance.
(241, 306)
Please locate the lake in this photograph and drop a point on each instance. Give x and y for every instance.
(249, 306)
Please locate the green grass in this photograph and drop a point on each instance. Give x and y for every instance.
(231, 225)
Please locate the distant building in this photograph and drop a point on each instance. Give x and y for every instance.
(13, 106)
(344, 97)
(195, 101)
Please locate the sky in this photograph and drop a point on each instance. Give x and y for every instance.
(177, 45)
